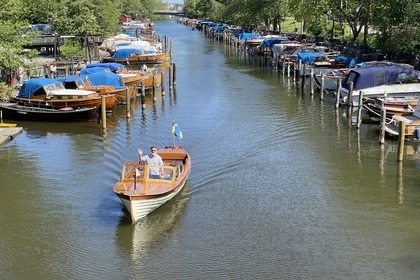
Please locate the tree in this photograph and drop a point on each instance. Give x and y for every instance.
(12, 23)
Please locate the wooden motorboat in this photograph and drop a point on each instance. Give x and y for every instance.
(138, 55)
(402, 106)
(46, 113)
(84, 83)
(45, 91)
(412, 125)
(141, 194)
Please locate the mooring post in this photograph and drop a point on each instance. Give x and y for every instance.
(143, 94)
(174, 74)
(298, 70)
(127, 102)
(401, 138)
(311, 81)
(103, 111)
(359, 110)
(337, 95)
(383, 123)
(322, 85)
(154, 87)
(171, 72)
(350, 95)
(162, 82)
(303, 75)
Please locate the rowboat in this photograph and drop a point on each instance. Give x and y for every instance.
(412, 125)
(140, 194)
(38, 112)
(402, 106)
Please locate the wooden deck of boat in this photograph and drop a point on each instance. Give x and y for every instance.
(8, 133)
(152, 189)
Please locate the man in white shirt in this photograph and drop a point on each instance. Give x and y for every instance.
(152, 159)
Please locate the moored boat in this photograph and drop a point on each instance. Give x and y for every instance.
(393, 106)
(377, 81)
(84, 83)
(45, 91)
(412, 125)
(46, 113)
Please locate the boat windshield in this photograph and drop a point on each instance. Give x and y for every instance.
(159, 172)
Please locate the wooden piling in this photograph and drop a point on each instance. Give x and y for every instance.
(174, 74)
(171, 69)
(322, 86)
(359, 110)
(337, 96)
(297, 71)
(127, 103)
(103, 111)
(401, 138)
(303, 76)
(311, 81)
(154, 87)
(350, 95)
(162, 77)
(143, 95)
(383, 123)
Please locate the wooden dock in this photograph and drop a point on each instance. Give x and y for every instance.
(8, 133)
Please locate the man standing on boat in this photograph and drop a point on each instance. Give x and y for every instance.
(151, 159)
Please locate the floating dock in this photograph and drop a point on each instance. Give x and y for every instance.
(8, 132)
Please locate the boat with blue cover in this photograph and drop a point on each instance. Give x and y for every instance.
(52, 92)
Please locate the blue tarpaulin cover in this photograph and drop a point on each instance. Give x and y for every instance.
(348, 61)
(126, 52)
(113, 66)
(30, 87)
(87, 71)
(106, 78)
(309, 57)
(246, 36)
(366, 77)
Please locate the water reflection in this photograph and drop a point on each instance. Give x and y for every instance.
(164, 222)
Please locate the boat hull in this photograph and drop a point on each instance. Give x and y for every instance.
(141, 193)
(48, 113)
(140, 207)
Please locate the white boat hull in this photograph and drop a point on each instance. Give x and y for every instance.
(140, 208)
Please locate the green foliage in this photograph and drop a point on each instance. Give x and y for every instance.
(71, 49)
(6, 92)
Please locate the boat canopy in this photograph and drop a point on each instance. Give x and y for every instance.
(106, 78)
(125, 52)
(366, 77)
(34, 86)
(309, 57)
(113, 66)
(347, 61)
(246, 36)
(90, 70)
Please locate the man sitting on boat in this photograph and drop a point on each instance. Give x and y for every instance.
(152, 159)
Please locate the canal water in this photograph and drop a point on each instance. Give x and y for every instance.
(282, 185)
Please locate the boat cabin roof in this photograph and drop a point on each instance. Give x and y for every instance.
(371, 76)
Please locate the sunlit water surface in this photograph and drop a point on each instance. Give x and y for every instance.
(282, 187)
